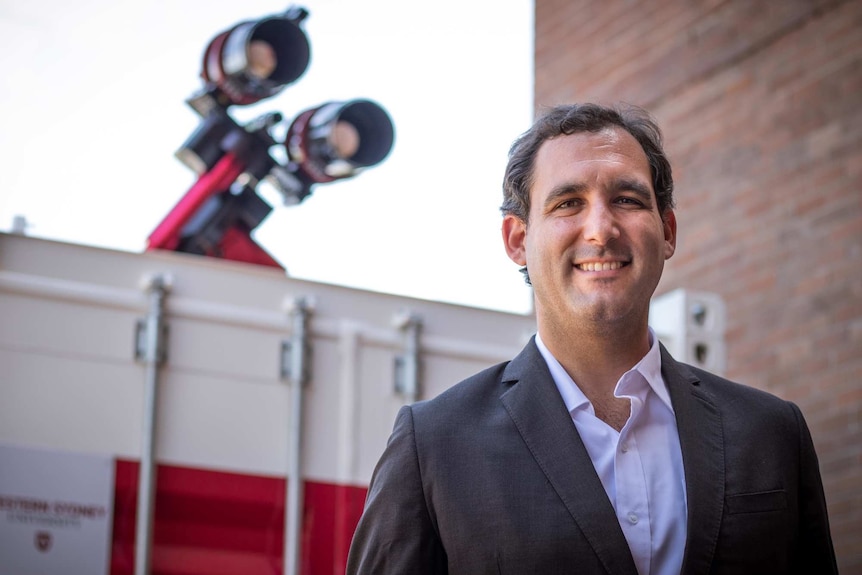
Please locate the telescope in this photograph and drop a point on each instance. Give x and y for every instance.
(255, 60)
(338, 139)
(245, 64)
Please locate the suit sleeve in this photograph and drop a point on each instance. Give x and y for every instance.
(816, 553)
(396, 534)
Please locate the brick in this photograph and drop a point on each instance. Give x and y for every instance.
(759, 103)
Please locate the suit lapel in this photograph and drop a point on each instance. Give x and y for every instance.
(538, 411)
(702, 443)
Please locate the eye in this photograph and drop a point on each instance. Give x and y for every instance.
(567, 204)
(629, 201)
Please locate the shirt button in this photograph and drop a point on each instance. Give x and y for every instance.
(633, 519)
(624, 448)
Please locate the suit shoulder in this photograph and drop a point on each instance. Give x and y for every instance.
(738, 395)
(467, 395)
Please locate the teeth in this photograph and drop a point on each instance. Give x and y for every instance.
(600, 266)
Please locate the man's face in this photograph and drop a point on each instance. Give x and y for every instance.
(595, 243)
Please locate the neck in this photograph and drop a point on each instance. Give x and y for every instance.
(595, 357)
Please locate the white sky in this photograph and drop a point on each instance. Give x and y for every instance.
(92, 109)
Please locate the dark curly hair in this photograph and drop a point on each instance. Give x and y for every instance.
(572, 119)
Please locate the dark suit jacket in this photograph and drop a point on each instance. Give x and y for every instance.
(491, 476)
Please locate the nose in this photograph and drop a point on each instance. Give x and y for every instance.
(600, 225)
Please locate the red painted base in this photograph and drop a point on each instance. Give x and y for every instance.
(217, 523)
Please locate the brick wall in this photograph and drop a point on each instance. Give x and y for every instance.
(761, 105)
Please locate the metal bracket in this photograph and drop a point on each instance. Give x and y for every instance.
(287, 366)
(296, 351)
(142, 352)
(407, 363)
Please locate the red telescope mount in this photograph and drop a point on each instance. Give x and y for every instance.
(243, 65)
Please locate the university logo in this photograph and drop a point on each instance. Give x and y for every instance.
(43, 540)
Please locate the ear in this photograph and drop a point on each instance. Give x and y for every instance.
(669, 222)
(515, 238)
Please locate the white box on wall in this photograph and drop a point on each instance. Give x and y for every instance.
(691, 324)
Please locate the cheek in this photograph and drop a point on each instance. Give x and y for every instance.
(654, 240)
(548, 243)
(559, 233)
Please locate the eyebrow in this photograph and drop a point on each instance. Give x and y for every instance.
(628, 184)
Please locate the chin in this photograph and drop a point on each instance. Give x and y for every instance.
(611, 317)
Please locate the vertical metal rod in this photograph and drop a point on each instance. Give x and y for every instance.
(348, 439)
(299, 354)
(158, 288)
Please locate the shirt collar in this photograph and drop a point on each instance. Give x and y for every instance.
(649, 367)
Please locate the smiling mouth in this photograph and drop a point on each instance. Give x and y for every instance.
(600, 266)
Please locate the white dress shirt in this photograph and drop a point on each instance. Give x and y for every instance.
(640, 466)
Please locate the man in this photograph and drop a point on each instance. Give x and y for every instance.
(593, 451)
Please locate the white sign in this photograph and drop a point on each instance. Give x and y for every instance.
(56, 512)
